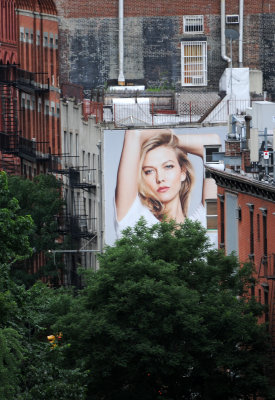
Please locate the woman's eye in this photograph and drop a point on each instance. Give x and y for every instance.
(169, 166)
(148, 171)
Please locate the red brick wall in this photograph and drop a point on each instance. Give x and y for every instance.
(145, 8)
(244, 237)
(8, 33)
(244, 225)
(43, 60)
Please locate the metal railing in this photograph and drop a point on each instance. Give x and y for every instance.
(147, 114)
(11, 74)
(93, 108)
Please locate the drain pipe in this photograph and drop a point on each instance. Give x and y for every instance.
(121, 79)
(241, 34)
(223, 51)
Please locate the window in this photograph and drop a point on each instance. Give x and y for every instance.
(76, 145)
(221, 197)
(65, 142)
(259, 296)
(208, 156)
(251, 219)
(264, 213)
(232, 19)
(71, 144)
(209, 153)
(193, 63)
(193, 24)
(258, 227)
(90, 214)
(21, 34)
(211, 214)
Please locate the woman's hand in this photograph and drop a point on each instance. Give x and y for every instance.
(194, 143)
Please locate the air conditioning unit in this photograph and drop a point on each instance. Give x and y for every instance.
(232, 19)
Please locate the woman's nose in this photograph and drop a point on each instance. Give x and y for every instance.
(159, 177)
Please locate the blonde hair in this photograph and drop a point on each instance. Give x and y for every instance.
(146, 196)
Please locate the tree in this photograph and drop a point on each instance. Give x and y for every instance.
(14, 246)
(40, 198)
(14, 228)
(30, 369)
(168, 317)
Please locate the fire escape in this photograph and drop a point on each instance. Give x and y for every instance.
(78, 222)
(13, 145)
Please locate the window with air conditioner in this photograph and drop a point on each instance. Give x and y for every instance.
(232, 19)
(193, 24)
(194, 63)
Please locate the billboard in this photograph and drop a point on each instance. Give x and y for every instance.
(154, 173)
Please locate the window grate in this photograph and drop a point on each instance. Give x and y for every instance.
(194, 63)
(193, 24)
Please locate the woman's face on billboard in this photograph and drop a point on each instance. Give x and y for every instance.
(162, 173)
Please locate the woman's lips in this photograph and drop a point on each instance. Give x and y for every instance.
(163, 189)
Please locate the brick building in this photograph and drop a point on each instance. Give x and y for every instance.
(246, 203)
(246, 225)
(29, 90)
(173, 43)
(29, 126)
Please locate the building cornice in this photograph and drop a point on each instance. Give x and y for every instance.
(243, 184)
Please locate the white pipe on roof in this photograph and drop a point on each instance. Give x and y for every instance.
(121, 79)
(241, 34)
(223, 49)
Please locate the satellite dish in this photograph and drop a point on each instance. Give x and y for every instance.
(231, 34)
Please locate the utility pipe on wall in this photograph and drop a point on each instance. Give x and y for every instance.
(241, 34)
(121, 79)
(223, 49)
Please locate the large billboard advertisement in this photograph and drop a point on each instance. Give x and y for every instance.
(155, 174)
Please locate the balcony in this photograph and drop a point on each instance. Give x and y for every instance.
(28, 82)
(24, 148)
(75, 182)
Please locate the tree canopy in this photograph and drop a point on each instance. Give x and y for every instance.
(165, 317)
(42, 200)
(30, 368)
(168, 317)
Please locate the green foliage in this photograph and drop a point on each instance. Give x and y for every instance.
(10, 357)
(14, 228)
(40, 198)
(44, 374)
(167, 317)
(29, 368)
